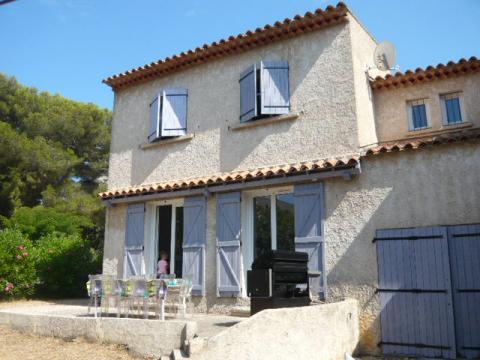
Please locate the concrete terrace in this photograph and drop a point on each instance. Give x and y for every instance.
(327, 330)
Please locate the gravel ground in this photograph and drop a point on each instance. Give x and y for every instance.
(15, 345)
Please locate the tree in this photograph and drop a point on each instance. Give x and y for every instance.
(53, 153)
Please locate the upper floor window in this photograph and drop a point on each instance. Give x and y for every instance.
(417, 113)
(264, 90)
(168, 114)
(451, 110)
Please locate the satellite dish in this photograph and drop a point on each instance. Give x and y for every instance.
(385, 56)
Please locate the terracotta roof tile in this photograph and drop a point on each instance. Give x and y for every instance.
(422, 142)
(236, 176)
(431, 73)
(234, 44)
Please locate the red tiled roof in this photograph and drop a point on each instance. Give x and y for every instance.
(233, 45)
(422, 142)
(236, 176)
(431, 73)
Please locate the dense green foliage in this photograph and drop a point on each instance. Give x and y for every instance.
(53, 162)
(57, 255)
(17, 265)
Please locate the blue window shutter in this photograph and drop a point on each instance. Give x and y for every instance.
(275, 92)
(194, 240)
(154, 130)
(134, 240)
(174, 112)
(419, 116)
(309, 235)
(248, 94)
(453, 110)
(228, 245)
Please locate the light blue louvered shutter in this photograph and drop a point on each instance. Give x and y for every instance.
(154, 129)
(194, 240)
(275, 92)
(248, 94)
(134, 239)
(228, 245)
(174, 112)
(309, 235)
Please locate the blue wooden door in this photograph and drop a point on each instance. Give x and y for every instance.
(415, 292)
(228, 244)
(309, 238)
(134, 240)
(464, 244)
(194, 240)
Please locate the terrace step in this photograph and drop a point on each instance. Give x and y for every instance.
(178, 355)
(195, 345)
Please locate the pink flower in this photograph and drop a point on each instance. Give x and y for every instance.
(20, 247)
(26, 254)
(9, 287)
(19, 257)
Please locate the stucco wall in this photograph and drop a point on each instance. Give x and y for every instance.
(391, 106)
(363, 48)
(114, 243)
(324, 332)
(434, 186)
(322, 90)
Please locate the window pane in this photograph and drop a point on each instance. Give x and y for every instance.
(178, 241)
(419, 116)
(453, 110)
(285, 222)
(262, 225)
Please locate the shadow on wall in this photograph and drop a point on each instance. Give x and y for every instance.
(419, 188)
(144, 162)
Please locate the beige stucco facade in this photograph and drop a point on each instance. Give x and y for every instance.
(329, 90)
(391, 107)
(338, 114)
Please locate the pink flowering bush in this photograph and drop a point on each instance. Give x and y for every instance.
(18, 275)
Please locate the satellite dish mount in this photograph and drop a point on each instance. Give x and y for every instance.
(385, 56)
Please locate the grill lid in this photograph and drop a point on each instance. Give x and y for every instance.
(290, 259)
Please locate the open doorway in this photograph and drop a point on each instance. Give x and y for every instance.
(170, 237)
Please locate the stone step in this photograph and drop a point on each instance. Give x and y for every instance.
(195, 345)
(178, 355)
(241, 311)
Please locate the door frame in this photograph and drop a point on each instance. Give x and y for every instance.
(151, 238)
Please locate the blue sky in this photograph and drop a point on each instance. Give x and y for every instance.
(69, 46)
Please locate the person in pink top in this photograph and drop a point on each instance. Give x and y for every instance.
(162, 266)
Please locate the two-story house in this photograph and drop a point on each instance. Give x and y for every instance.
(285, 137)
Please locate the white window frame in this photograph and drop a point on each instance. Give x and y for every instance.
(410, 104)
(448, 96)
(248, 221)
(152, 233)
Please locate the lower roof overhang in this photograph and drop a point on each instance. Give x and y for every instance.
(345, 168)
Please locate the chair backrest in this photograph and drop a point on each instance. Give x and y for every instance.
(95, 284)
(185, 287)
(138, 287)
(159, 289)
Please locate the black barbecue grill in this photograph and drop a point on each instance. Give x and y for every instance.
(278, 279)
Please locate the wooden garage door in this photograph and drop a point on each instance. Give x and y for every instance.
(415, 292)
(464, 244)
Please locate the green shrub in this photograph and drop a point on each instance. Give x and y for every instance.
(17, 265)
(63, 265)
(40, 221)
